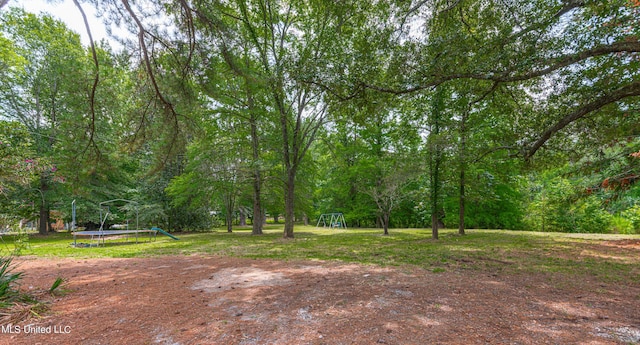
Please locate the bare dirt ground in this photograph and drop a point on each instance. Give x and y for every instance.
(221, 300)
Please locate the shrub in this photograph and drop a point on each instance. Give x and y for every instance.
(592, 218)
(633, 215)
(621, 225)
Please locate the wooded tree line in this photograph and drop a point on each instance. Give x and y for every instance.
(468, 114)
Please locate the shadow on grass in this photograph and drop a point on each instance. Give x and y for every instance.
(509, 252)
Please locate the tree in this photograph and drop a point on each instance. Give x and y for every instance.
(43, 93)
(16, 154)
(228, 81)
(17, 170)
(345, 163)
(217, 171)
(480, 81)
(290, 41)
(390, 188)
(538, 44)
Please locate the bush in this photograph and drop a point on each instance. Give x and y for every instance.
(633, 215)
(591, 218)
(621, 225)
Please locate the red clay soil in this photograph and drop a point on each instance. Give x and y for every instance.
(221, 300)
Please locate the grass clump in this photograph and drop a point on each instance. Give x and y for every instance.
(16, 306)
(8, 282)
(58, 287)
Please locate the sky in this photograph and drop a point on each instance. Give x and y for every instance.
(66, 11)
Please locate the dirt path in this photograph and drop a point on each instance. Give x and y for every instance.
(213, 300)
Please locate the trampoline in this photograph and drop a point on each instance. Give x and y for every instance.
(100, 236)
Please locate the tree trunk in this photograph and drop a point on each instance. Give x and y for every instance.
(544, 209)
(243, 219)
(44, 209)
(289, 154)
(289, 204)
(229, 221)
(434, 226)
(435, 195)
(463, 157)
(436, 159)
(230, 205)
(385, 223)
(44, 220)
(461, 203)
(256, 228)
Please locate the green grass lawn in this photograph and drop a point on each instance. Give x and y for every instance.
(497, 251)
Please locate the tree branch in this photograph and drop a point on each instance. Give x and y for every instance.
(569, 59)
(450, 7)
(621, 93)
(96, 79)
(167, 106)
(553, 65)
(569, 6)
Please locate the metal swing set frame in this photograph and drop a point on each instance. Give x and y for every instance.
(332, 220)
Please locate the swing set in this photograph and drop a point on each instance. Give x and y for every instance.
(332, 220)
